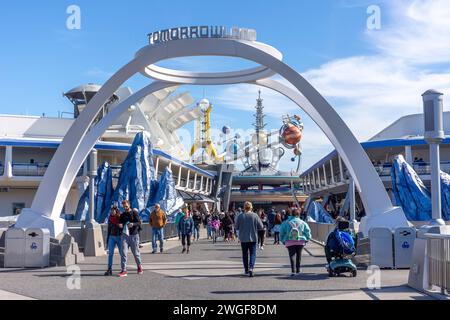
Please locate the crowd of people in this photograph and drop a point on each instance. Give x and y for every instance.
(249, 228)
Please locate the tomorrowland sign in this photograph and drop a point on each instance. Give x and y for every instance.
(201, 32)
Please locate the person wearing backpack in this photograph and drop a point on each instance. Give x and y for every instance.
(294, 234)
(276, 228)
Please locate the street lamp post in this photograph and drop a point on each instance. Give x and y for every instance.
(93, 237)
(434, 134)
(92, 175)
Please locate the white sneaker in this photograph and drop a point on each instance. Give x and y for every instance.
(262, 248)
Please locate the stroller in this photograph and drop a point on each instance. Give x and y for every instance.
(339, 250)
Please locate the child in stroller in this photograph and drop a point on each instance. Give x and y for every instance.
(340, 248)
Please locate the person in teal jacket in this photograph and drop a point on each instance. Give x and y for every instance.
(294, 234)
(178, 217)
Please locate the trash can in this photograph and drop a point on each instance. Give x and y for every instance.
(37, 248)
(403, 246)
(15, 248)
(381, 247)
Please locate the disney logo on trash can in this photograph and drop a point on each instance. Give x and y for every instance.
(33, 246)
(405, 245)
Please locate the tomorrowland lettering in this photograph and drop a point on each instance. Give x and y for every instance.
(201, 32)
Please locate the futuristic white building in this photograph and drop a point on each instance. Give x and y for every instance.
(27, 145)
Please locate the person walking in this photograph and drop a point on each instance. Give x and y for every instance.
(158, 221)
(114, 239)
(215, 227)
(294, 234)
(178, 217)
(197, 218)
(227, 227)
(186, 227)
(208, 220)
(131, 223)
(248, 224)
(262, 233)
(276, 228)
(303, 214)
(270, 221)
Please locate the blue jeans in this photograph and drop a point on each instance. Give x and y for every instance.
(131, 241)
(209, 231)
(248, 248)
(114, 241)
(196, 232)
(158, 234)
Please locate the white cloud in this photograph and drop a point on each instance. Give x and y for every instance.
(420, 33)
(372, 91)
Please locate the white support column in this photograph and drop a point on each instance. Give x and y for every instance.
(85, 169)
(170, 165)
(195, 181)
(314, 180)
(179, 175)
(8, 162)
(332, 172)
(408, 154)
(352, 195)
(201, 183)
(92, 174)
(318, 178)
(341, 170)
(210, 186)
(187, 179)
(325, 174)
(157, 167)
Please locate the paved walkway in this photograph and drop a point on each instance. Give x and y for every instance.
(210, 271)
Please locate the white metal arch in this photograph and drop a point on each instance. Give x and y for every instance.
(73, 150)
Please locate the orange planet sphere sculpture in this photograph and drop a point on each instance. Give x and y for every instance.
(291, 134)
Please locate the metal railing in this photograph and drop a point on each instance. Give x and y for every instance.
(29, 169)
(421, 168)
(32, 169)
(438, 260)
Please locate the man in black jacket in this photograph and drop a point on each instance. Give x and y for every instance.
(130, 236)
(197, 217)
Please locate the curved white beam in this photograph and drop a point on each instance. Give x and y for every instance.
(371, 189)
(353, 155)
(55, 186)
(99, 129)
(31, 218)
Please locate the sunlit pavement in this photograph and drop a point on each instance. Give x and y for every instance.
(209, 271)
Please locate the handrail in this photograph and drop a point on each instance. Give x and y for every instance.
(437, 236)
(438, 261)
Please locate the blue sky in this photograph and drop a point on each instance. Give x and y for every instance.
(370, 77)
